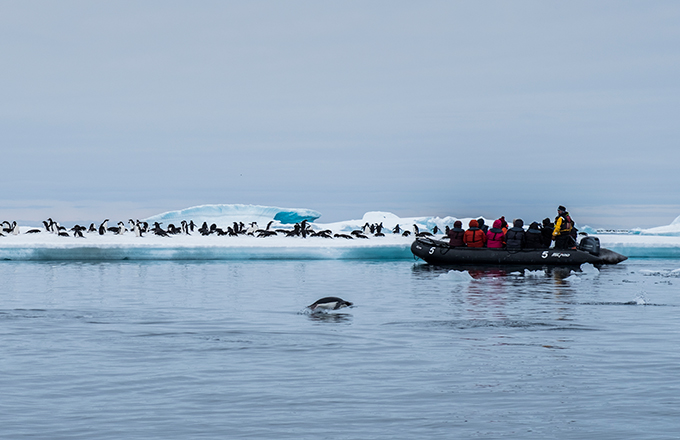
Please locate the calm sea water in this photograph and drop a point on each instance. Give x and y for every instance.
(215, 350)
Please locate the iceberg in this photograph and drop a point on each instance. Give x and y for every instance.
(670, 230)
(227, 214)
(386, 246)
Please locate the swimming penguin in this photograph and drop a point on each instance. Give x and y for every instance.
(329, 303)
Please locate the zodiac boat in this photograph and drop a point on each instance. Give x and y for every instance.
(588, 251)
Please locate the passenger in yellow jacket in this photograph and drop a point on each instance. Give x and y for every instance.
(562, 234)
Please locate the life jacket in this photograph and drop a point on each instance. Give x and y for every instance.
(474, 237)
(564, 226)
(456, 237)
(495, 237)
(514, 238)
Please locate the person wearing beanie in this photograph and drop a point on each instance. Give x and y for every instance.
(533, 239)
(474, 237)
(456, 234)
(495, 237)
(481, 225)
(562, 234)
(514, 238)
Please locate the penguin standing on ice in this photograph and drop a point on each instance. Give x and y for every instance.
(329, 303)
(103, 227)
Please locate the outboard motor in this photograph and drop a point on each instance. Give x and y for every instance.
(590, 245)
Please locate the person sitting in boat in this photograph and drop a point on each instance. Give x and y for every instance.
(482, 226)
(546, 232)
(514, 238)
(495, 237)
(533, 238)
(504, 225)
(562, 234)
(456, 234)
(474, 237)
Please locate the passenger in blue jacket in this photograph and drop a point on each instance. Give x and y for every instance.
(514, 238)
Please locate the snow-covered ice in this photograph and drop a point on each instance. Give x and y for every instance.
(662, 242)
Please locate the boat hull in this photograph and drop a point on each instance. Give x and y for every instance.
(440, 253)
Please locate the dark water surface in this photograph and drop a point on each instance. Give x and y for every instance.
(208, 350)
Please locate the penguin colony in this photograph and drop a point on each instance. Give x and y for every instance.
(302, 229)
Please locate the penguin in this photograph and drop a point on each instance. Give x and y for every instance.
(33, 231)
(396, 229)
(103, 227)
(121, 228)
(185, 228)
(435, 229)
(92, 228)
(345, 236)
(252, 229)
(15, 228)
(158, 230)
(329, 303)
(324, 234)
(415, 229)
(137, 230)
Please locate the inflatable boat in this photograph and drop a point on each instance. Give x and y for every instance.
(588, 251)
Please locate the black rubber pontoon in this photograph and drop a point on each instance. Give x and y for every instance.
(440, 253)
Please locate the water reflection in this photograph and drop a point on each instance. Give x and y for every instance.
(322, 316)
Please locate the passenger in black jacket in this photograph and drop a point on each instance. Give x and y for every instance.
(533, 237)
(482, 226)
(514, 238)
(547, 231)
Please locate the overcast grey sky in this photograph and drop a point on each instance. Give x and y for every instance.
(127, 109)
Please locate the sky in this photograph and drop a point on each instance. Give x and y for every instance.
(128, 109)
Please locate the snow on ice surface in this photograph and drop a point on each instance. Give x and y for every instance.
(45, 246)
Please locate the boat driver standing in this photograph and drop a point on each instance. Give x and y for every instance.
(562, 234)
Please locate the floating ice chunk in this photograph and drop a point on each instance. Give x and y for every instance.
(660, 273)
(457, 276)
(589, 270)
(534, 273)
(573, 278)
(641, 299)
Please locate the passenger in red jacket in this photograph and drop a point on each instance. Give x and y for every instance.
(474, 237)
(495, 237)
